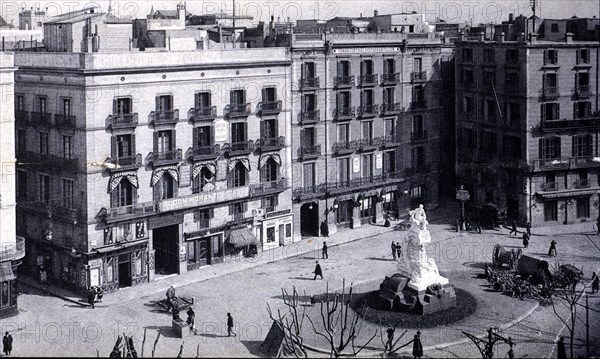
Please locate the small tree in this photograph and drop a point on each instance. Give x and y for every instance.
(568, 296)
(291, 324)
(337, 329)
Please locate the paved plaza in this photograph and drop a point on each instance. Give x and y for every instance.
(48, 325)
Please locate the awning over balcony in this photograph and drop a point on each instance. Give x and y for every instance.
(6, 272)
(242, 237)
(158, 173)
(563, 194)
(234, 161)
(198, 166)
(116, 178)
(264, 158)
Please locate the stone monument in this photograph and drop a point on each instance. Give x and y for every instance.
(418, 285)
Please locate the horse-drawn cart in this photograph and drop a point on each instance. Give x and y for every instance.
(501, 256)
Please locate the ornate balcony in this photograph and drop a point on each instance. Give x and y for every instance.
(419, 136)
(46, 162)
(549, 186)
(132, 211)
(270, 144)
(367, 111)
(202, 114)
(122, 121)
(309, 116)
(267, 188)
(344, 81)
(551, 92)
(390, 78)
(309, 152)
(169, 117)
(125, 162)
(237, 110)
(309, 83)
(390, 141)
(47, 210)
(582, 91)
(268, 108)
(343, 114)
(41, 118)
(344, 147)
(368, 80)
(165, 158)
(203, 152)
(21, 116)
(388, 109)
(242, 148)
(588, 123)
(582, 183)
(64, 121)
(369, 144)
(13, 252)
(564, 163)
(418, 76)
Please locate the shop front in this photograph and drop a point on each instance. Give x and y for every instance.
(8, 290)
(203, 249)
(275, 229)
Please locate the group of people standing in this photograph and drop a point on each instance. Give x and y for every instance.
(527, 236)
(396, 250)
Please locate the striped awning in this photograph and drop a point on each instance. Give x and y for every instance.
(158, 173)
(242, 237)
(563, 194)
(6, 272)
(116, 178)
(198, 166)
(234, 161)
(264, 158)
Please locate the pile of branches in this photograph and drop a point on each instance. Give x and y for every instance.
(515, 286)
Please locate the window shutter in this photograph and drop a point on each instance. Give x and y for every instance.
(262, 130)
(541, 148)
(557, 111)
(543, 111)
(232, 97)
(155, 143)
(362, 68)
(587, 56)
(589, 144)
(573, 146)
(113, 147)
(302, 71)
(578, 57)
(245, 131)
(197, 100)
(132, 146)
(557, 147)
(114, 106)
(195, 139)
(575, 110)
(302, 137)
(174, 140)
(338, 101)
(555, 57)
(264, 95)
(545, 57)
(157, 103)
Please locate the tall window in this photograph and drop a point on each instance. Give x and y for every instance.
(343, 68)
(309, 102)
(44, 188)
(66, 108)
(489, 108)
(583, 207)
(21, 141)
(418, 126)
(488, 55)
(21, 182)
(582, 109)
(202, 136)
(512, 83)
(237, 208)
(512, 56)
(123, 195)
(389, 66)
(582, 79)
(583, 56)
(67, 146)
(205, 177)
(367, 130)
(344, 170)
(488, 141)
(389, 125)
(165, 188)
(67, 192)
(309, 70)
(164, 141)
(367, 98)
(239, 132)
(343, 133)
(42, 105)
(367, 166)
(418, 158)
(44, 146)
(466, 76)
(549, 148)
(550, 57)
(19, 102)
(389, 96)
(467, 54)
(582, 146)
(202, 99)
(238, 176)
(122, 106)
(417, 64)
(550, 111)
(513, 114)
(389, 162)
(468, 105)
(366, 68)
(308, 137)
(270, 203)
(511, 146)
(270, 171)
(308, 176)
(164, 103)
(268, 129)
(269, 94)
(551, 211)
(343, 100)
(550, 81)
(124, 146)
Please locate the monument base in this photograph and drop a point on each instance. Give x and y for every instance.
(181, 329)
(396, 293)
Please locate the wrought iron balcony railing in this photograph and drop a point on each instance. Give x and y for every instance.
(582, 183)
(203, 152)
(344, 147)
(166, 157)
(550, 92)
(366, 111)
(308, 116)
(21, 116)
(131, 211)
(307, 152)
(307, 83)
(549, 186)
(238, 148)
(204, 113)
(418, 76)
(64, 121)
(271, 144)
(122, 120)
(344, 81)
(237, 110)
(41, 118)
(390, 78)
(345, 113)
(125, 162)
(582, 91)
(368, 80)
(391, 108)
(264, 188)
(167, 117)
(268, 108)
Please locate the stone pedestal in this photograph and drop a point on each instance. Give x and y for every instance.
(181, 329)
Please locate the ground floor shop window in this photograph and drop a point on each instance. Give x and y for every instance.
(270, 234)
(110, 270)
(367, 208)
(550, 211)
(344, 212)
(583, 207)
(203, 251)
(137, 263)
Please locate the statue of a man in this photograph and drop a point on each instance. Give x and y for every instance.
(419, 217)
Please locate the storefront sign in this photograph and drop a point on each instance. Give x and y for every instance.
(140, 230)
(220, 130)
(278, 213)
(366, 50)
(378, 161)
(356, 165)
(164, 221)
(202, 199)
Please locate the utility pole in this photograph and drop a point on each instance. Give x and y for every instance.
(587, 328)
(234, 33)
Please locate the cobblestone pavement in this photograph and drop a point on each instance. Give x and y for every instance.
(51, 326)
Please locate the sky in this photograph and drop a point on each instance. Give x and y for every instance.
(448, 10)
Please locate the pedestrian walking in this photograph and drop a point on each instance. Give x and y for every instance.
(324, 250)
(552, 249)
(417, 351)
(230, 325)
(7, 343)
(399, 250)
(394, 252)
(525, 240)
(191, 320)
(561, 351)
(528, 228)
(318, 271)
(91, 296)
(514, 228)
(324, 229)
(595, 283)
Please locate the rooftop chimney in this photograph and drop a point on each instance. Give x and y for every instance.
(375, 13)
(510, 17)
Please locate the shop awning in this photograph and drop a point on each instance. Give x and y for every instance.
(6, 272)
(563, 194)
(242, 237)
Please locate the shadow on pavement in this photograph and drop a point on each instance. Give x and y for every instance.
(254, 347)
(380, 259)
(208, 335)
(165, 330)
(300, 278)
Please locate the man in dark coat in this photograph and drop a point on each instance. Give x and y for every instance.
(230, 325)
(417, 351)
(91, 294)
(324, 229)
(7, 343)
(514, 228)
(561, 351)
(528, 228)
(318, 271)
(191, 319)
(394, 250)
(399, 249)
(595, 283)
(552, 249)
(325, 255)
(525, 239)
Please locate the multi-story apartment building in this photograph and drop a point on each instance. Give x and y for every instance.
(12, 247)
(366, 113)
(136, 164)
(527, 123)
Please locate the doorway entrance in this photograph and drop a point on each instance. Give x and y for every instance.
(512, 208)
(309, 219)
(166, 249)
(124, 270)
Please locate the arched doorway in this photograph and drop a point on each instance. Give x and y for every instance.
(309, 219)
